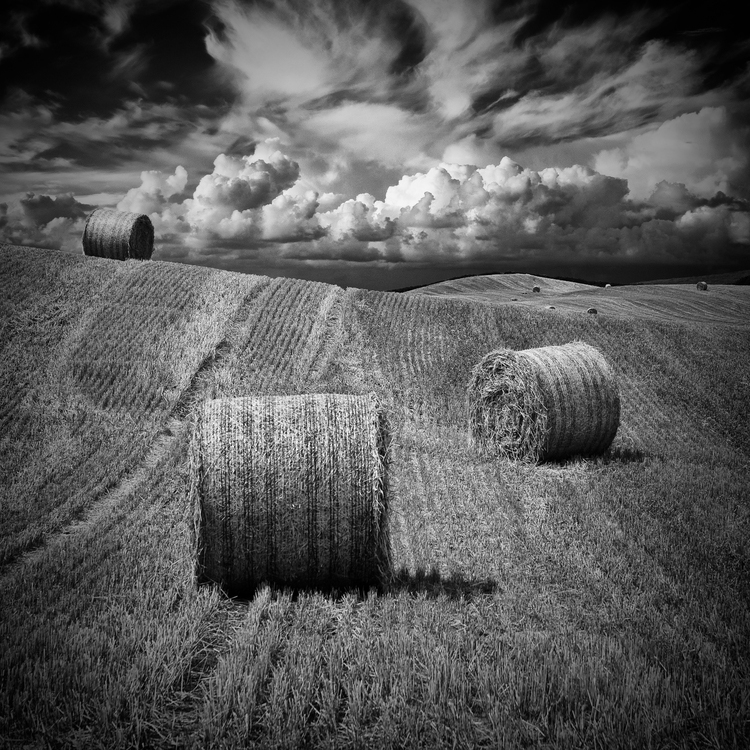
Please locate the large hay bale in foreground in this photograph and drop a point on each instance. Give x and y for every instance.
(291, 490)
(118, 235)
(701, 286)
(546, 403)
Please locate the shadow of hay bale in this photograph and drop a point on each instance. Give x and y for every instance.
(433, 584)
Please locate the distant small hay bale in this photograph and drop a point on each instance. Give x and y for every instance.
(536, 289)
(592, 311)
(291, 490)
(540, 404)
(514, 299)
(550, 307)
(701, 286)
(608, 286)
(119, 235)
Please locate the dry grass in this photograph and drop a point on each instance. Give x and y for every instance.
(119, 235)
(595, 603)
(291, 490)
(546, 403)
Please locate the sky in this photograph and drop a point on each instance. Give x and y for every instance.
(384, 143)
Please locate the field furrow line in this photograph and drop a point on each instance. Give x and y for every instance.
(140, 406)
(165, 439)
(173, 430)
(325, 334)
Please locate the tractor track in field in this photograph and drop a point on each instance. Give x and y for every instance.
(173, 429)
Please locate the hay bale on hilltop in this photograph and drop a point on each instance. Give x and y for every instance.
(119, 235)
(546, 403)
(608, 286)
(701, 286)
(291, 490)
(536, 289)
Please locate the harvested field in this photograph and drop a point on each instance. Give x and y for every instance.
(589, 602)
(729, 304)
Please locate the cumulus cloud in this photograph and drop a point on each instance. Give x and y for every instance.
(257, 206)
(155, 191)
(226, 201)
(461, 213)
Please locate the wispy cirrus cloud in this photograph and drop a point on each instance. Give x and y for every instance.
(705, 150)
(398, 132)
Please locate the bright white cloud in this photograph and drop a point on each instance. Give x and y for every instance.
(457, 212)
(154, 192)
(452, 213)
(268, 57)
(381, 132)
(225, 200)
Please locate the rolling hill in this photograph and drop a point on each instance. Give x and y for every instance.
(725, 304)
(592, 602)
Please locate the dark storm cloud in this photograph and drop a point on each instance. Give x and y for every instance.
(86, 69)
(41, 209)
(710, 28)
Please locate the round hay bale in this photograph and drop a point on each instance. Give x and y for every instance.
(541, 404)
(536, 289)
(291, 490)
(608, 286)
(591, 311)
(701, 286)
(118, 235)
(550, 307)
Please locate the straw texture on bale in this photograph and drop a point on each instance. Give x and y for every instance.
(119, 235)
(291, 490)
(547, 403)
(701, 286)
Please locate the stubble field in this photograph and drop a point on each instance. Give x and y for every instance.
(589, 603)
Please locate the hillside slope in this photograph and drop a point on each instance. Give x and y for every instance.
(500, 284)
(724, 304)
(590, 602)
